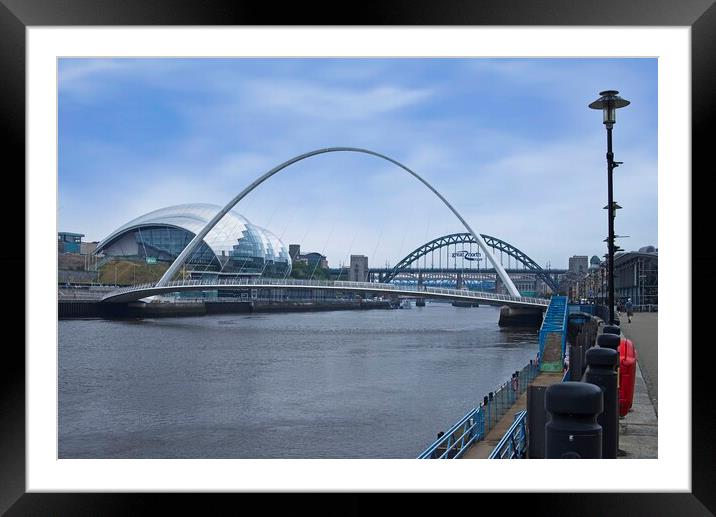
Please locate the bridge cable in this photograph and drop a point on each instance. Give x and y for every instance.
(200, 250)
(283, 233)
(285, 276)
(212, 244)
(196, 252)
(228, 237)
(330, 234)
(372, 259)
(402, 242)
(280, 242)
(248, 256)
(350, 248)
(269, 244)
(217, 237)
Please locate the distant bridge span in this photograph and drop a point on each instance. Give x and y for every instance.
(468, 238)
(137, 292)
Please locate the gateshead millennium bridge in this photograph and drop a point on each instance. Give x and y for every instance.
(168, 284)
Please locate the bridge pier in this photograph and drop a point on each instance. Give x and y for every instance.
(498, 285)
(520, 317)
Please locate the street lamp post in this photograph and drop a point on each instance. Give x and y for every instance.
(609, 102)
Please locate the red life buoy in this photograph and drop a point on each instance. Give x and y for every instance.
(627, 375)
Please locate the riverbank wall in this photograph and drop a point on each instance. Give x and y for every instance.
(78, 309)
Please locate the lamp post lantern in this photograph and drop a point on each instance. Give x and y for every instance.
(609, 102)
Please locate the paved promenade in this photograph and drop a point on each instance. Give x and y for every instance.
(643, 331)
(638, 431)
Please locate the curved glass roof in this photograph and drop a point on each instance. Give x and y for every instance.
(275, 250)
(233, 234)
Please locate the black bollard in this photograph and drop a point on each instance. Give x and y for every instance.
(601, 371)
(593, 334)
(576, 361)
(612, 341)
(572, 431)
(536, 420)
(612, 329)
(609, 341)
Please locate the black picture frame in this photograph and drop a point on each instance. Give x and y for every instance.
(17, 15)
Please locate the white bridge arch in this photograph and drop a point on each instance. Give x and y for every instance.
(165, 280)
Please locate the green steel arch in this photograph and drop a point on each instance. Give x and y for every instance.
(467, 238)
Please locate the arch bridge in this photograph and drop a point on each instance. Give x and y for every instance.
(167, 284)
(467, 238)
(198, 238)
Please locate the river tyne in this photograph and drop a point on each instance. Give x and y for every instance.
(343, 384)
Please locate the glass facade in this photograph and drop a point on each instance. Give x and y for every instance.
(234, 245)
(249, 255)
(165, 244)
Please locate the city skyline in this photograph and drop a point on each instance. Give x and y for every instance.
(510, 142)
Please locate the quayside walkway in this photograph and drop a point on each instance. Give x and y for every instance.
(638, 431)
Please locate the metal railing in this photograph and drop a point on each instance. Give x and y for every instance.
(365, 286)
(479, 421)
(554, 324)
(513, 444)
(505, 396)
(78, 295)
(457, 439)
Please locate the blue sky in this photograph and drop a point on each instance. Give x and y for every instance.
(509, 142)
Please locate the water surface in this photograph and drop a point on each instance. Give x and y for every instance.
(343, 384)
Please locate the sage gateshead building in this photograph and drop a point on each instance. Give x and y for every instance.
(233, 247)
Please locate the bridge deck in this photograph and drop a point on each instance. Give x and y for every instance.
(146, 290)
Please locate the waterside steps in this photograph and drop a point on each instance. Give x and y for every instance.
(497, 428)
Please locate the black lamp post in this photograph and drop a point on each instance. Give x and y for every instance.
(609, 102)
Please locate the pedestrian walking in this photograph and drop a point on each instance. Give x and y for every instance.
(629, 309)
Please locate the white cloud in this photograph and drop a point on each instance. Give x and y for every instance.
(79, 76)
(542, 195)
(332, 102)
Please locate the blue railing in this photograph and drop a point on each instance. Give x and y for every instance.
(554, 322)
(478, 422)
(458, 438)
(513, 444)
